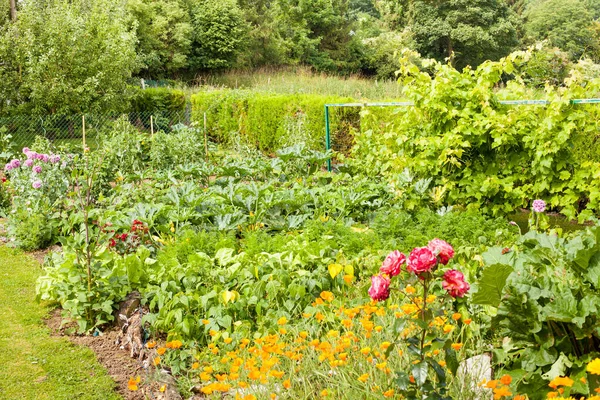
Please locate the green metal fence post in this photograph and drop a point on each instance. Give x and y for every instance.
(327, 135)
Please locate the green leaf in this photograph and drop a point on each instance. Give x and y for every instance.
(420, 372)
(491, 284)
(334, 270)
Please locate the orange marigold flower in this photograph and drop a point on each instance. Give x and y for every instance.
(151, 344)
(456, 346)
(133, 383)
(491, 384)
(365, 350)
(282, 321)
(327, 296)
(156, 361)
(319, 316)
(506, 379)
(410, 290)
(552, 395)
(456, 316)
(228, 340)
(363, 378)
(411, 379)
(175, 344)
(448, 328)
(348, 279)
(467, 321)
(594, 367)
(303, 334)
(561, 381)
(324, 393)
(388, 393)
(195, 365)
(161, 351)
(502, 391)
(519, 397)
(287, 384)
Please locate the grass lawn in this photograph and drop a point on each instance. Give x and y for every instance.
(34, 365)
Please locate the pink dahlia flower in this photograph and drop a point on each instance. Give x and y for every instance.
(380, 288)
(455, 284)
(421, 260)
(392, 265)
(442, 249)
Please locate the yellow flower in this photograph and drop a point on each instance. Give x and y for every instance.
(501, 392)
(151, 344)
(195, 365)
(228, 340)
(448, 328)
(385, 345)
(388, 393)
(410, 290)
(365, 350)
(327, 296)
(561, 381)
(156, 361)
(163, 388)
(287, 384)
(282, 321)
(324, 393)
(303, 334)
(205, 321)
(161, 351)
(594, 367)
(363, 378)
(348, 279)
(456, 316)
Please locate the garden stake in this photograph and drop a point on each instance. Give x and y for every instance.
(205, 139)
(83, 130)
(151, 126)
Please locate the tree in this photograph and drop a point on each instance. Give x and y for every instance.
(219, 34)
(164, 32)
(467, 31)
(64, 56)
(567, 24)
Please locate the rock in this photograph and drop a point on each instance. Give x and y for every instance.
(472, 371)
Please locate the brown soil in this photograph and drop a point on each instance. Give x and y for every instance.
(117, 361)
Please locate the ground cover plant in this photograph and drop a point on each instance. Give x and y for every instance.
(266, 276)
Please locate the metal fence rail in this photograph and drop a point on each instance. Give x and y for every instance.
(83, 129)
(410, 104)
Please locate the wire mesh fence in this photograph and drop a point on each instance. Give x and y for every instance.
(83, 129)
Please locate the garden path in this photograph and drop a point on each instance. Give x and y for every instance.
(34, 364)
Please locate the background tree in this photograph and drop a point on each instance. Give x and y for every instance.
(64, 56)
(472, 30)
(164, 33)
(567, 24)
(220, 34)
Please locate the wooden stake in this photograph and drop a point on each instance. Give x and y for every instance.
(83, 131)
(205, 139)
(151, 126)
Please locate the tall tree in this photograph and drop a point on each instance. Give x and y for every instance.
(66, 56)
(468, 31)
(164, 33)
(219, 34)
(567, 24)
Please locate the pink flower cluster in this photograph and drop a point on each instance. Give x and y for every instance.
(32, 156)
(421, 261)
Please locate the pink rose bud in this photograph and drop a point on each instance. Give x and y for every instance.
(421, 260)
(442, 250)
(392, 264)
(455, 284)
(380, 288)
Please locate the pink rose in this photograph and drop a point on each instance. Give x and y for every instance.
(380, 288)
(442, 250)
(393, 263)
(455, 284)
(421, 260)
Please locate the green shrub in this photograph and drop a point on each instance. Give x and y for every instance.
(269, 121)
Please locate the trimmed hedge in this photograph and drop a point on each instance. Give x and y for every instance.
(270, 121)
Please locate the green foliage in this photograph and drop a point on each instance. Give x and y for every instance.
(467, 31)
(547, 297)
(566, 24)
(219, 34)
(164, 33)
(66, 57)
(267, 121)
(31, 228)
(546, 65)
(165, 105)
(479, 153)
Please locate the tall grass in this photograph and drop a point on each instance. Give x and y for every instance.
(301, 80)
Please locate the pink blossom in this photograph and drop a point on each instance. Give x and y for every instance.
(37, 169)
(8, 167)
(54, 158)
(442, 249)
(32, 155)
(539, 206)
(455, 284)
(37, 184)
(380, 288)
(15, 163)
(421, 260)
(392, 264)
(26, 150)
(28, 163)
